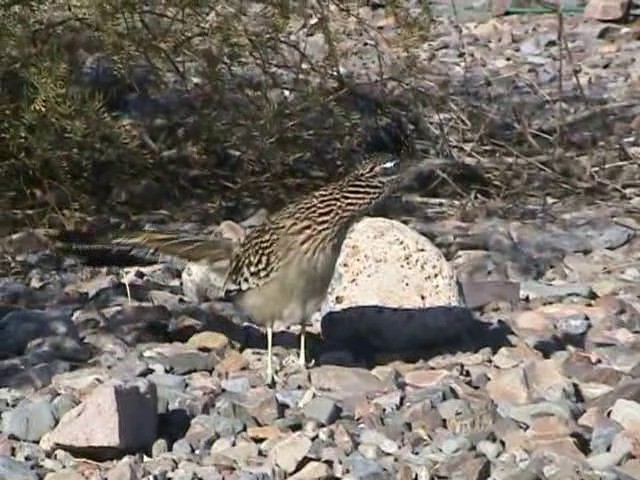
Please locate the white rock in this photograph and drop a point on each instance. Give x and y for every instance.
(383, 262)
(289, 452)
(627, 414)
(202, 281)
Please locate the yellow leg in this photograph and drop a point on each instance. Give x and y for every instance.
(269, 355)
(126, 286)
(303, 354)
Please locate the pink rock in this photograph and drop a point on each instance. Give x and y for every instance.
(606, 9)
(425, 378)
(115, 418)
(509, 386)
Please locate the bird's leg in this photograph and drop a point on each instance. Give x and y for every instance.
(303, 356)
(126, 286)
(270, 375)
(272, 378)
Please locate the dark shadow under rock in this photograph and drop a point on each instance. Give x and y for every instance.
(408, 333)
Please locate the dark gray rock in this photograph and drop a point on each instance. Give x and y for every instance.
(604, 431)
(322, 409)
(363, 468)
(20, 327)
(11, 469)
(29, 421)
(181, 360)
(236, 384)
(58, 347)
(182, 447)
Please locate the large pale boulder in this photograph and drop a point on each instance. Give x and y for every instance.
(386, 263)
(392, 290)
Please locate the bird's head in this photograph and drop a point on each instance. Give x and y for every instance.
(382, 165)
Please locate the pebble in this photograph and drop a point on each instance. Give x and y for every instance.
(29, 421)
(289, 452)
(322, 409)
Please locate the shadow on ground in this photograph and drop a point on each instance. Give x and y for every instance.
(357, 336)
(373, 335)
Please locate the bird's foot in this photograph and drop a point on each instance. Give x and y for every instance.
(295, 362)
(271, 379)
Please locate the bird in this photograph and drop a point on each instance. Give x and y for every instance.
(281, 269)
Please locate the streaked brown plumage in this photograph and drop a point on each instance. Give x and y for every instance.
(282, 268)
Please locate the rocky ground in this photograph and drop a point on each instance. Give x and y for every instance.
(530, 371)
(536, 380)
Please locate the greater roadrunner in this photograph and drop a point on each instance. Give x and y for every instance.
(282, 268)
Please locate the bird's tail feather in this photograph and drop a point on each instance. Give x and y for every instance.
(192, 248)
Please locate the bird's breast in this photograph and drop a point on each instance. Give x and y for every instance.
(295, 291)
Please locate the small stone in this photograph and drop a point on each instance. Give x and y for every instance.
(241, 453)
(389, 401)
(6, 448)
(260, 404)
(627, 414)
(236, 384)
(167, 381)
(29, 421)
(509, 357)
(343, 439)
(476, 468)
(532, 321)
(509, 387)
(323, 410)
(548, 427)
(545, 381)
(233, 362)
(560, 449)
(289, 452)
(312, 471)
(62, 404)
(362, 467)
(66, 474)
(343, 381)
(116, 416)
(426, 378)
(182, 447)
(489, 449)
(311, 429)
(604, 461)
(182, 359)
(368, 451)
(208, 341)
(576, 324)
(606, 10)
(630, 470)
(265, 433)
(126, 469)
(373, 437)
(11, 469)
(604, 431)
(455, 445)
(159, 447)
(454, 408)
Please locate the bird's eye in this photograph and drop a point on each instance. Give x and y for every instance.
(390, 164)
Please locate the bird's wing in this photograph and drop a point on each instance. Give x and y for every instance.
(192, 248)
(258, 260)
